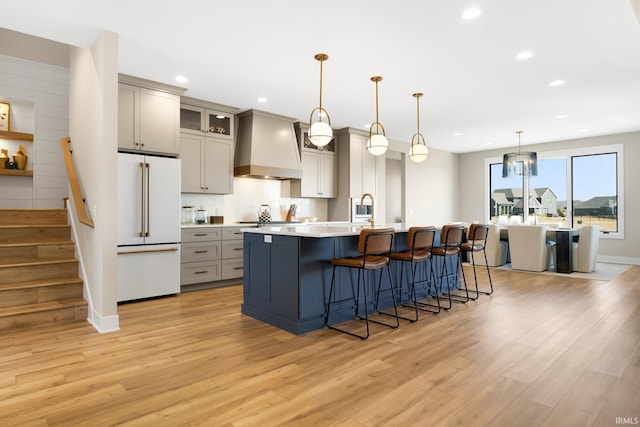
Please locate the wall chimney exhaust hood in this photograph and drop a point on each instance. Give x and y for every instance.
(266, 147)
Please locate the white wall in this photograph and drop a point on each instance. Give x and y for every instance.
(40, 95)
(431, 196)
(472, 189)
(249, 194)
(93, 129)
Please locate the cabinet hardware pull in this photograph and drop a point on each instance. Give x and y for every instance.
(201, 252)
(237, 249)
(237, 232)
(146, 252)
(200, 234)
(238, 268)
(202, 272)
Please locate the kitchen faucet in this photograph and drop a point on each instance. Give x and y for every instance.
(371, 220)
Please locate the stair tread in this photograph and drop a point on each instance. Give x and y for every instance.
(19, 225)
(42, 306)
(31, 262)
(41, 243)
(40, 283)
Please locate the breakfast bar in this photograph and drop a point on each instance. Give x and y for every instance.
(287, 272)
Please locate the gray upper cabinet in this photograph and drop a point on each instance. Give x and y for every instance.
(204, 121)
(148, 119)
(319, 168)
(207, 148)
(207, 164)
(358, 169)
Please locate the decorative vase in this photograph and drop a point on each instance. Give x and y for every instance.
(4, 158)
(20, 157)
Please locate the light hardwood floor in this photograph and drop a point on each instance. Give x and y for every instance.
(542, 351)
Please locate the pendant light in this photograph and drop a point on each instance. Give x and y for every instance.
(377, 143)
(520, 163)
(419, 151)
(320, 132)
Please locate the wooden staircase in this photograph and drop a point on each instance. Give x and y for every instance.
(39, 283)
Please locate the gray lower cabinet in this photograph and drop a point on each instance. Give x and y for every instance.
(211, 254)
(232, 250)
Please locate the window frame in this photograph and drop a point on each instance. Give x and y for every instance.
(568, 154)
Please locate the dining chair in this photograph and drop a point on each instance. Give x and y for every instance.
(529, 248)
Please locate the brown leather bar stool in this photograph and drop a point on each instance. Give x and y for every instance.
(419, 244)
(477, 242)
(450, 242)
(375, 246)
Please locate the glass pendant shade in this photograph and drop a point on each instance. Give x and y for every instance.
(320, 132)
(418, 151)
(377, 144)
(520, 163)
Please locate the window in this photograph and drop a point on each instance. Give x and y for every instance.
(594, 189)
(573, 188)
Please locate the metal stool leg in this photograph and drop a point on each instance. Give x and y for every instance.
(356, 298)
(393, 297)
(435, 309)
(457, 297)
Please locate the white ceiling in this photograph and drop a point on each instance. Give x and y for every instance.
(236, 51)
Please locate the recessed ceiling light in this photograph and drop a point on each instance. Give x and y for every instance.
(457, 134)
(489, 142)
(583, 130)
(471, 14)
(524, 55)
(557, 83)
(262, 99)
(181, 79)
(562, 116)
(220, 116)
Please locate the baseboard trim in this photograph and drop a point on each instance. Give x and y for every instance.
(619, 260)
(104, 325)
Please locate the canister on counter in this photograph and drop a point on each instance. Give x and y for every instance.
(188, 215)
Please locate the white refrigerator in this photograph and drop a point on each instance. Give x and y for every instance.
(148, 226)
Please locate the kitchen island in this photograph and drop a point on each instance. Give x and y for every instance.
(287, 272)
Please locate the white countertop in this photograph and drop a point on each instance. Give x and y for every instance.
(206, 225)
(323, 229)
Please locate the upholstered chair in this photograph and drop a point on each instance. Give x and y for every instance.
(496, 248)
(529, 248)
(585, 251)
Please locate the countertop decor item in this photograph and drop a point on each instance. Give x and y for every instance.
(20, 157)
(188, 215)
(4, 158)
(201, 216)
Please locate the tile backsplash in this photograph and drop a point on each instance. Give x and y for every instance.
(249, 194)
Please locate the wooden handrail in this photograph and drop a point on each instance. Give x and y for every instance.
(78, 201)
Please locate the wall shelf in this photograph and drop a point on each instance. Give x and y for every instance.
(16, 172)
(17, 136)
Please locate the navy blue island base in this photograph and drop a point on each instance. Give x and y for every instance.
(287, 274)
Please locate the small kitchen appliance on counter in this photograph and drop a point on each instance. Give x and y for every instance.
(264, 213)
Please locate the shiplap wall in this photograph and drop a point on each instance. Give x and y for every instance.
(40, 93)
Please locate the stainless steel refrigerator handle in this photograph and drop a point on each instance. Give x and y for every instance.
(148, 166)
(141, 233)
